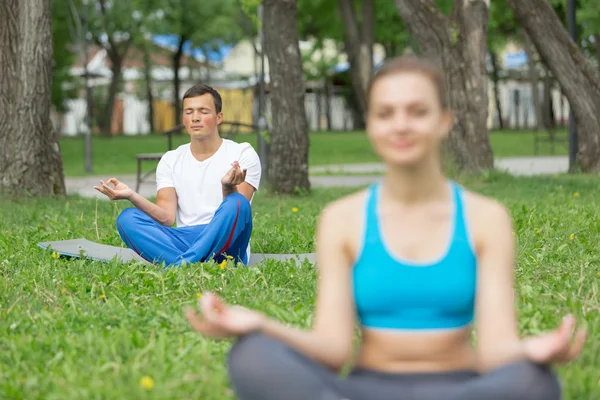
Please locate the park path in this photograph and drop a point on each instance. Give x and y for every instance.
(345, 175)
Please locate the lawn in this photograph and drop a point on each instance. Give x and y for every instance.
(82, 329)
(116, 155)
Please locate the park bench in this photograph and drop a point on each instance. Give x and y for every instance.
(228, 130)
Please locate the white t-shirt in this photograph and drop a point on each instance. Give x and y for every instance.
(198, 183)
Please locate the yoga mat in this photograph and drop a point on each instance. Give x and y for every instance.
(83, 248)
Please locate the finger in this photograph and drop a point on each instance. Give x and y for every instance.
(239, 176)
(200, 325)
(565, 332)
(108, 188)
(207, 304)
(577, 346)
(109, 191)
(244, 174)
(195, 321)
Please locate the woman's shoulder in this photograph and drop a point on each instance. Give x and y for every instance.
(346, 206)
(488, 218)
(343, 216)
(484, 206)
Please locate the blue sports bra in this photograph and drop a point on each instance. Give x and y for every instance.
(397, 294)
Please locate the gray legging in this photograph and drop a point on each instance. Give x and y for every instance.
(262, 368)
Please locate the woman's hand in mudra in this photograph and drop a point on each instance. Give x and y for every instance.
(220, 320)
(555, 346)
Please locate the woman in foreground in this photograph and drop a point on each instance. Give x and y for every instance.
(417, 258)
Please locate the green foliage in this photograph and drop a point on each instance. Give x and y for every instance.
(84, 329)
(64, 42)
(502, 26)
(205, 23)
(389, 28)
(319, 20)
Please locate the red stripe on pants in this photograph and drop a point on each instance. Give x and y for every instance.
(237, 214)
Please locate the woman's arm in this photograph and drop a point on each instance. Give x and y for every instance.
(330, 339)
(498, 340)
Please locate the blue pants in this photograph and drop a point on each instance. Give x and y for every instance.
(228, 233)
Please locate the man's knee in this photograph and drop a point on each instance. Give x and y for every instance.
(129, 217)
(237, 201)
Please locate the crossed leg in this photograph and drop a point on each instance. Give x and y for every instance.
(261, 367)
(227, 233)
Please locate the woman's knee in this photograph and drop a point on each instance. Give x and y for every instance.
(253, 356)
(534, 381)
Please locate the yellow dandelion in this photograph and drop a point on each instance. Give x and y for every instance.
(295, 209)
(229, 257)
(102, 296)
(555, 219)
(45, 307)
(55, 255)
(223, 264)
(146, 382)
(576, 194)
(572, 236)
(198, 295)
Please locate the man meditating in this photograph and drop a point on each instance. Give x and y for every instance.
(204, 186)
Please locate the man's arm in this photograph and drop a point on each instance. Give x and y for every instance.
(165, 209)
(235, 182)
(244, 188)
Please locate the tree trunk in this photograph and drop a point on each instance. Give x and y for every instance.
(30, 159)
(547, 103)
(176, 80)
(578, 78)
(328, 103)
(533, 80)
(148, 78)
(288, 154)
(359, 49)
(458, 44)
(106, 122)
(597, 41)
(496, 80)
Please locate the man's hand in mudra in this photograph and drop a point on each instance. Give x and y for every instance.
(119, 191)
(232, 179)
(234, 176)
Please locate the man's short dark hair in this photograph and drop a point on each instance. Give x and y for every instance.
(200, 89)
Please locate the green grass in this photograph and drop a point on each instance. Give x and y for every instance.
(83, 329)
(116, 155)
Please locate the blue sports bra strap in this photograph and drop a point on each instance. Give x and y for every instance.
(371, 216)
(460, 221)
